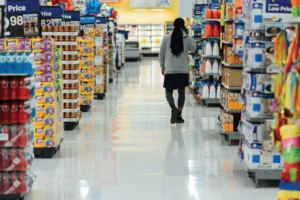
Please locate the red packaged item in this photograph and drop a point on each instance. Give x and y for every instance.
(215, 14)
(13, 160)
(14, 115)
(4, 89)
(18, 135)
(216, 30)
(208, 13)
(24, 112)
(24, 88)
(13, 183)
(208, 32)
(5, 108)
(13, 90)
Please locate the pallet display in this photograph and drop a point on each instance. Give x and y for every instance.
(17, 116)
(87, 71)
(231, 71)
(101, 58)
(66, 38)
(86, 49)
(48, 126)
(205, 68)
(112, 54)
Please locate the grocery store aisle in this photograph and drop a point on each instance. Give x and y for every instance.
(125, 149)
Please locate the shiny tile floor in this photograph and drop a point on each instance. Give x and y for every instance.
(125, 149)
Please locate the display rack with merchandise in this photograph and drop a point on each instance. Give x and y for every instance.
(205, 70)
(148, 35)
(48, 126)
(120, 50)
(48, 130)
(66, 38)
(112, 53)
(18, 110)
(101, 58)
(260, 159)
(231, 70)
(86, 49)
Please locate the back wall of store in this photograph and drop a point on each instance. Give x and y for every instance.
(128, 15)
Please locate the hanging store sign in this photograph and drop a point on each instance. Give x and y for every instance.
(51, 15)
(22, 18)
(278, 7)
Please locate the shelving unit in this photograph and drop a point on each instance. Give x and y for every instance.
(231, 73)
(205, 77)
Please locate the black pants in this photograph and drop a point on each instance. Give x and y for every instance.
(181, 97)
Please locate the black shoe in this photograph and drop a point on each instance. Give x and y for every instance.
(180, 120)
(174, 116)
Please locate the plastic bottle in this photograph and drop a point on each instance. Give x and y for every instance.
(215, 68)
(208, 49)
(3, 63)
(216, 49)
(13, 90)
(4, 88)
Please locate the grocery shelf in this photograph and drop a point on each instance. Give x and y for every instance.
(210, 74)
(212, 38)
(258, 119)
(262, 174)
(212, 57)
(211, 20)
(230, 136)
(238, 88)
(209, 101)
(232, 65)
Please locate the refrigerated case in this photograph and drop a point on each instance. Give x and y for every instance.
(149, 36)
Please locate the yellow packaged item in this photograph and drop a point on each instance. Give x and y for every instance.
(42, 131)
(45, 87)
(49, 98)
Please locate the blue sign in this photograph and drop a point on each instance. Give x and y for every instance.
(102, 20)
(51, 12)
(71, 16)
(22, 6)
(198, 9)
(278, 7)
(87, 20)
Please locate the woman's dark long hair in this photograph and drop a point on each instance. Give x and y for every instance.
(177, 37)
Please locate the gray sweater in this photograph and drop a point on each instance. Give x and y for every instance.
(170, 63)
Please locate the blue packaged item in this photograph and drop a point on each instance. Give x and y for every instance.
(19, 63)
(3, 63)
(11, 62)
(28, 65)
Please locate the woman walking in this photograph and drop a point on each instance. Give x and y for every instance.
(174, 63)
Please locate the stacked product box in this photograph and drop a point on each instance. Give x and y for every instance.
(17, 112)
(87, 72)
(101, 60)
(66, 39)
(48, 126)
